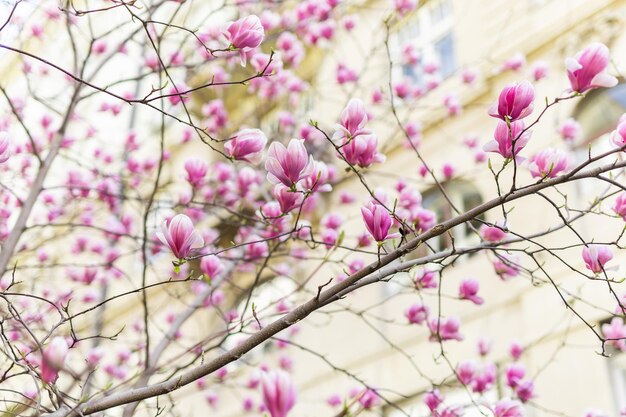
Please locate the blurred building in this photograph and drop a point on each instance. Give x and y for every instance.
(501, 42)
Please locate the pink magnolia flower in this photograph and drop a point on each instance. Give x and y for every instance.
(548, 163)
(426, 279)
(514, 63)
(619, 207)
(492, 233)
(515, 102)
(484, 347)
(404, 6)
(587, 69)
(615, 330)
(279, 393)
(334, 400)
(345, 74)
(196, 171)
(5, 152)
(596, 256)
(433, 399)
(514, 374)
(368, 399)
(506, 267)
(447, 329)
(506, 138)
(484, 380)
(211, 266)
(448, 171)
(317, 177)
(525, 390)
(508, 408)
(53, 359)
(410, 55)
(246, 145)
(245, 34)
(287, 165)
(287, 198)
(362, 151)
(180, 235)
(417, 313)
(618, 136)
(466, 371)
(453, 103)
(540, 70)
(468, 290)
(516, 350)
(352, 121)
(378, 221)
(570, 130)
(468, 76)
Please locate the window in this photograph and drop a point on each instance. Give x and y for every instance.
(464, 196)
(598, 114)
(430, 32)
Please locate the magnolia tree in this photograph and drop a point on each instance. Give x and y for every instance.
(115, 237)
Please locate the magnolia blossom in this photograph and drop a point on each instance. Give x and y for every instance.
(53, 359)
(211, 266)
(570, 130)
(446, 329)
(352, 121)
(362, 151)
(287, 165)
(484, 380)
(468, 290)
(516, 350)
(508, 408)
(540, 70)
(433, 399)
(180, 235)
(426, 278)
(245, 34)
(514, 374)
(5, 152)
(615, 330)
(548, 163)
(466, 371)
(515, 102)
(378, 221)
(417, 313)
(468, 75)
(404, 6)
(246, 145)
(596, 256)
(506, 267)
(514, 63)
(196, 170)
(525, 390)
(506, 137)
(618, 136)
(345, 74)
(587, 69)
(619, 207)
(492, 233)
(287, 199)
(279, 393)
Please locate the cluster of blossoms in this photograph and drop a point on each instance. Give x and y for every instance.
(586, 71)
(242, 215)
